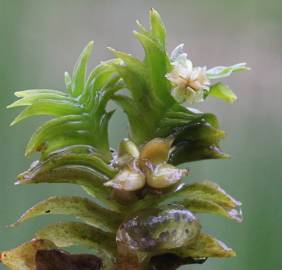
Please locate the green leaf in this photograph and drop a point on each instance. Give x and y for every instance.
(206, 246)
(138, 131)
(50, 131)
(206, 197)
(221, 71)
(48, 107)
(79, 72)
(23, 257)
(87, 177)
(133, 73)
(66, 234)
(208, 190)
(157, 28)
(81, 115)
(98, 77)
(78, 155)
(223, 92)
(27, 100)
(81, 208)
(68, 82)
(192, 151)
(207, 206)
(156, 63)
(199, 131)
(35, 92)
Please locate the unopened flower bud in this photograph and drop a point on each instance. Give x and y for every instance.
(165, 175)
(155, 152)
(127, 180)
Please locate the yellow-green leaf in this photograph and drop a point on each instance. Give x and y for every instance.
(23, 257)
(81, 208)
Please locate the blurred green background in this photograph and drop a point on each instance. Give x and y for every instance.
(40, 39)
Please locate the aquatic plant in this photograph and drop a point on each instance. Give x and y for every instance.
(140, 213)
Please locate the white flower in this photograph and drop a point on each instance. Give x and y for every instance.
(190, 82)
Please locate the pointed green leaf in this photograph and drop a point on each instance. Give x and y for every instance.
(207, 190)
(190, 151)
(157, 66)
(137, 130)
(53, 129)
(133, 73)
(78, 155)
(48, 107)
(32, 99)
(35, 92)
(87, 177)
(23, 257)
(81, 208)
(66, 234)
(97, 79)
(221, 71)
(198, 130)
(79, 72)
(223, 92)
(206, 197)
(208, 206)
(158, 28)
(68, 82)
(206, 246)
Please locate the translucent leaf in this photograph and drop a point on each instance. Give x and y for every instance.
(206, 246)
(221, 71)
(79, 72)
(35, 92)
(205, 197)
(48, 107)
(56, 259)
(53, 128)
(133, 73)
(158, 28)
(32, 99)
(223, 92)
(208, 206)
(78, 155)
(159, 229)
(81, 208)
(208, 191)
(66, 234)
(23, 257)
(156, 62)
(97, 79)
(68, 82)
(138, 131)
(84, 176)
(198, 131)
(188, 151)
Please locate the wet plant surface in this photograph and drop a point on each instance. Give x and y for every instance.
(141, 215)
